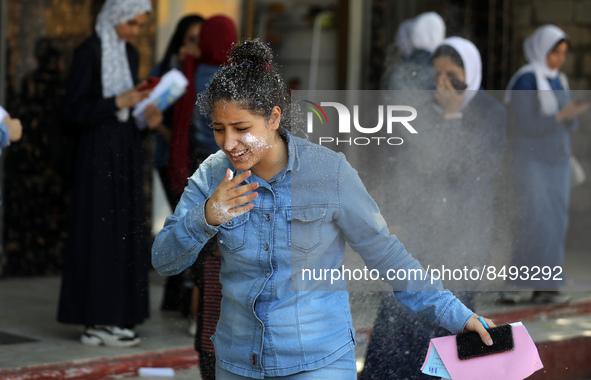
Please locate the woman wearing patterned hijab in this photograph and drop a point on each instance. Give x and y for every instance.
(105, 272)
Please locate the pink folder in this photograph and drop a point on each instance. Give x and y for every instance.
(513, 365)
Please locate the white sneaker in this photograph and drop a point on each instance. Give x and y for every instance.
(111, 336)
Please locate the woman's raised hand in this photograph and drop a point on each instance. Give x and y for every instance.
(446, 95)
(15, 128)
(572, 109)
(153, 116)
(132, 97)
(230, 200)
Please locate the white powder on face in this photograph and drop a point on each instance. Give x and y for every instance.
(255, 141)
(250, 142)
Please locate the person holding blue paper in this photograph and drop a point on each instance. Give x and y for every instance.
(105, 273)
(11, 131)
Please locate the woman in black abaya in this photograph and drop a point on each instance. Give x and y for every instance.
(105, 273)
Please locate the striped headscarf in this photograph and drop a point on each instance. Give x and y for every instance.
(116, 75)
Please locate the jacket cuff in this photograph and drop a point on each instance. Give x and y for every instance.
(455, 317)
(196, 224)
(4, 135)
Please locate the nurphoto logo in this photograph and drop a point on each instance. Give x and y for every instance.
(394, 114)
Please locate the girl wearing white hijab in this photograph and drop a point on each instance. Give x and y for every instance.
(427, 32)
(543, 117)
(449, 170)
(415, 40)
(402, 39)
(458, 74)
(115, 74)
(104, 283)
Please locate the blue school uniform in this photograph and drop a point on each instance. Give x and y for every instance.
(541, 179)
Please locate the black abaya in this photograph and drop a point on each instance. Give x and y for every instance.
(105, 273)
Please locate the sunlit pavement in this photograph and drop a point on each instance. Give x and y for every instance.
(28, 310)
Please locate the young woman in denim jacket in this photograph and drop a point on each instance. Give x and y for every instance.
(278, 204)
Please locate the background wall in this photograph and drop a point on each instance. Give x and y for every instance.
(169, 12)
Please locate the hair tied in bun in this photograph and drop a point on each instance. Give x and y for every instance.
(267, 67)
(252, 80)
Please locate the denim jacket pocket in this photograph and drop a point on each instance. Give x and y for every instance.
(232, 234)
(306, 228)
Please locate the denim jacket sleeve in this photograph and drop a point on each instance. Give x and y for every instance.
(366, 231)
(185, 232)
(4, 136)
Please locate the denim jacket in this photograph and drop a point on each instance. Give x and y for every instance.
(4, 140)
(301, 219)
(4, 136)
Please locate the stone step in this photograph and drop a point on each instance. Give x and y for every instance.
(95, 369)
(564, 345)
(535, 312)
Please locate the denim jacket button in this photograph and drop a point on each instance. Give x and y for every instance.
(207, 233)
(266, 247)
(229, 223)
(268, 217)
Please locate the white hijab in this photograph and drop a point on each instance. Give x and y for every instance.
(116, 75)
(472, 65)
(402, 39)
(428, 30)
(536, 48)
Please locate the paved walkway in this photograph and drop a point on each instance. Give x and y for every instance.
(28, 310)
